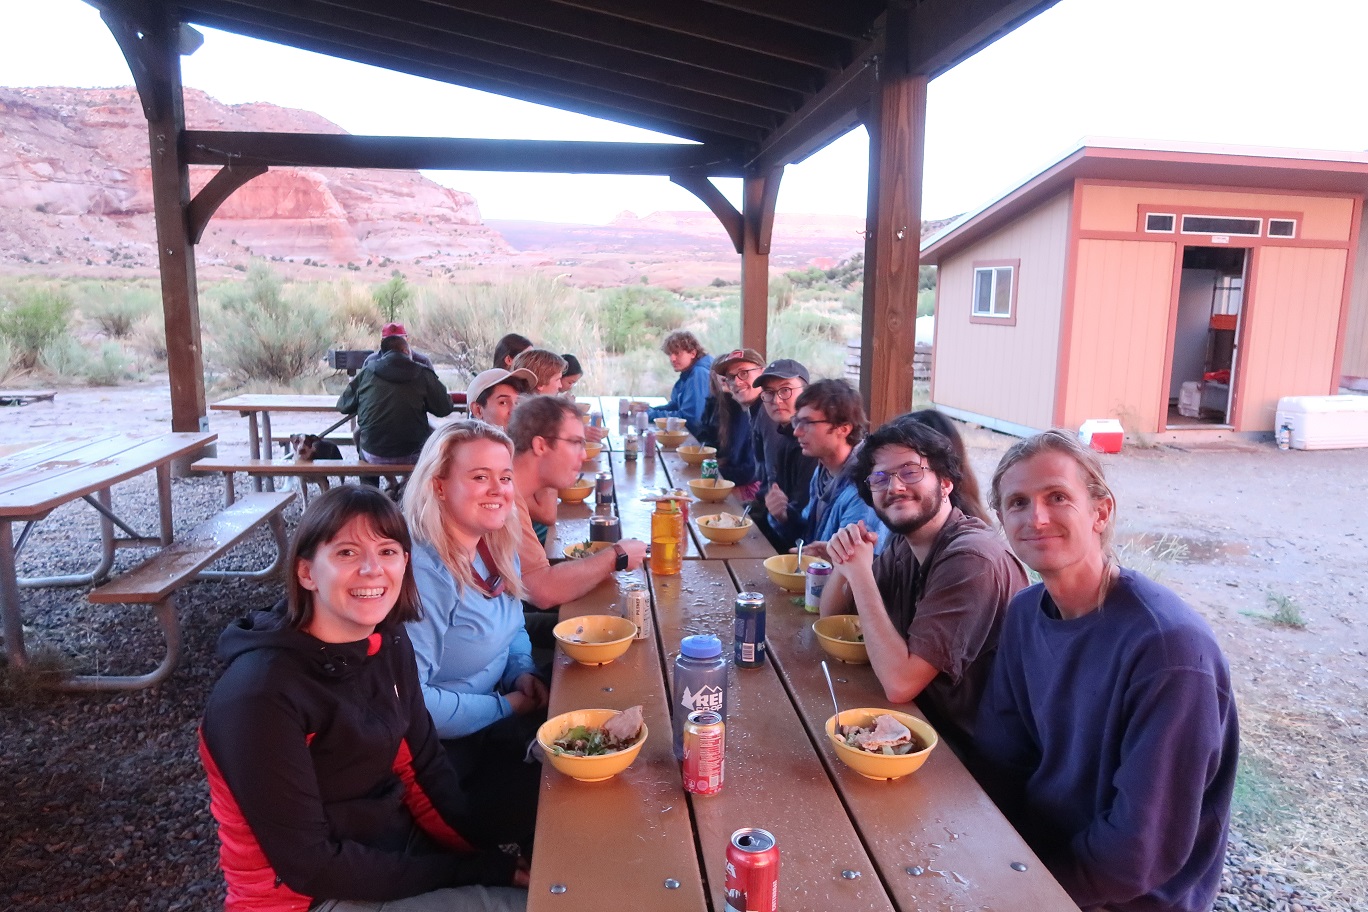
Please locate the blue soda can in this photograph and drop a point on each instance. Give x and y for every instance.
(750, 630)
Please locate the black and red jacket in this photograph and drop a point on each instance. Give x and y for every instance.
(325, 774)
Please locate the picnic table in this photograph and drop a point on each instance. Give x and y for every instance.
(930, 841)
(36, 480)
(257, 409)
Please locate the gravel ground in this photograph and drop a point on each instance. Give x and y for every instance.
(104, 806)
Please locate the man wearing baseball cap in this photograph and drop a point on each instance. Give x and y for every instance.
(493, 393)
(390, 331)
(736, 411)
(786, 472)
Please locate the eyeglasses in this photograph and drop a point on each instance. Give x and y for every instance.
(581, 442)
(908, 475)
(743, 377)
(800, 423)
(783, 394)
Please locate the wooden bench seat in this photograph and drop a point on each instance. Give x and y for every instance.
(156, 580)
(24, 397)
(280, 468)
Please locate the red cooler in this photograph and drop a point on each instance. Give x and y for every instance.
(1102, 434)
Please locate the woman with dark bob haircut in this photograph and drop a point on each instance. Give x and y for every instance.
(329, 785)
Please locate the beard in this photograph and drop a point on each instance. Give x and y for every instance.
(930, 506)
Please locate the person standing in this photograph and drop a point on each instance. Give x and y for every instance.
(931, 605)
(391, 400)
(1108, 726)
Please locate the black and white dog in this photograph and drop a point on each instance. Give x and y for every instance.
(310, 447)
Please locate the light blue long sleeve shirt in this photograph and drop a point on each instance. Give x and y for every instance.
(470, 648)
(833, 503)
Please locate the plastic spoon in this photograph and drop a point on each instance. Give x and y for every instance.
(840, 729)
(799, 565)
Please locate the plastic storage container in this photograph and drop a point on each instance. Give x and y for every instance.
(1323, 422)
(700, 682)
(1102, 434)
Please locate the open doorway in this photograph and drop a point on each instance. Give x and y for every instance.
(1205, 336)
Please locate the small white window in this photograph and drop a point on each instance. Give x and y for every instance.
(1159, 222)
(1283, 228)
(993, 291)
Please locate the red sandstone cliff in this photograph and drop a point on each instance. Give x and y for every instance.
(75, 194)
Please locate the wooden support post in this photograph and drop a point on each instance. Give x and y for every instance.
(151, 46)
(760, 194)
(897, 123)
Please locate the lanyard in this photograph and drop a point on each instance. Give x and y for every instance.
(493, 586)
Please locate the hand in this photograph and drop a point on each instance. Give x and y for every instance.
(636, 552)
(594, 434)
(532, 687)
(817, 549)
(522, 874)
(853, 546)
(776, 501)
(520, 703)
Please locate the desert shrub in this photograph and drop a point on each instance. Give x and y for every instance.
(36, 318)
(65, 357)
(815, 338)
(780, 293)
(110, 366)
(352, 305)
(926, 302)
(393, 296)
(259, 335)
(7, 359)
(636, 315)
(117, 315)
(148, 337)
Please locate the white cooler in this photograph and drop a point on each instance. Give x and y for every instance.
(1323, 422)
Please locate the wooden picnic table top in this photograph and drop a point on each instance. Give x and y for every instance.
(273, 402)
(37, 480)
(781, 774)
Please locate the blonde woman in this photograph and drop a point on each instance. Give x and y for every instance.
(474, 659)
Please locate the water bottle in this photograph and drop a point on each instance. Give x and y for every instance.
(667, 548)
(700, 682)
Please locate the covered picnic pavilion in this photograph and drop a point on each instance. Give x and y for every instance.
(752, 85)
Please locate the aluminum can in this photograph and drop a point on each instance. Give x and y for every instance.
(596, 418)
(750, 630)
(603, 488)
(648, 443)
(638, 607)
(641, 420)
(605, 527)
(818, 572)
(624, 407)
(705, 752)
(631, 447)
(752, 871)
(709, 469)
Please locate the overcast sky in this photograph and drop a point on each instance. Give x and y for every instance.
(1225, 71)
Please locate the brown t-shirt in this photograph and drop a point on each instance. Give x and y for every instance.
(531, 552)
(952, 608)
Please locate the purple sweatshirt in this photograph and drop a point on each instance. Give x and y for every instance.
(1111, 743)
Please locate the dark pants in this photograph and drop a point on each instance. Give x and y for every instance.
(502, 788)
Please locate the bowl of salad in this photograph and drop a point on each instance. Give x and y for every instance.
(592, 745)
(584, 549)
(841, 638)
(881, 743)
(594, 639)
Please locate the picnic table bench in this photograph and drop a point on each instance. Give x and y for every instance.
(156, 580)
(26, 397)
(276, 468)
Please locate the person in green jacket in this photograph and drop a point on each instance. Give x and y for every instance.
(391, 400)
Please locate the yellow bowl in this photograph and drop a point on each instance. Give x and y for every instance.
(587, 769)
(662, 423)
(783, 571)
(584, 408)
(594, 548)
(671, 439)
(837, 637)
(694, 455)
(712, 490)
(592, 450)
(594, 639)
(724, 535)
(882, 766)
(576, 493)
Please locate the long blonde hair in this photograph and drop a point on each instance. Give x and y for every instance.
(423, 510)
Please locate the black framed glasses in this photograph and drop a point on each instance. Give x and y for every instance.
(783, 394)
(581, 442)
(907, 475)
(743, 377)
(800, 423)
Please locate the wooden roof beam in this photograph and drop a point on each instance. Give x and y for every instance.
(532, 47)
(603, 103)
(844, 20)
(727, 27)
(833, 111)
(941, 33)
(332, 150)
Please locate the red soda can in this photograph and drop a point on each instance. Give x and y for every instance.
(752, 871)
(705, 752)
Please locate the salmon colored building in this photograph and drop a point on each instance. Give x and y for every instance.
(1177, 288)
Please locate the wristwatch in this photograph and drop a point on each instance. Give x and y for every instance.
(621, 563)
